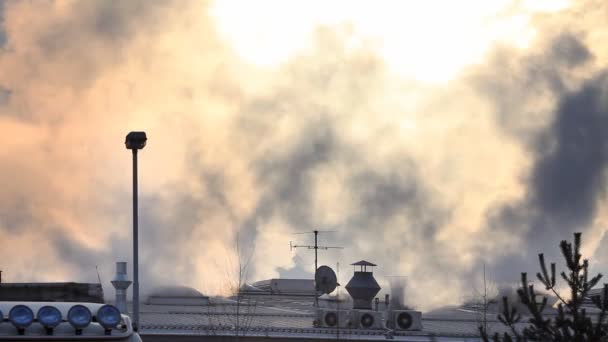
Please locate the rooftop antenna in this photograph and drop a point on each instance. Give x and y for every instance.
(99, 279)
(338, 302)
(316, 247)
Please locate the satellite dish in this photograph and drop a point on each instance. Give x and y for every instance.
(325, 280)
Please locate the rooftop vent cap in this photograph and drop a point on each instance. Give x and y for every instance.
(363, 287)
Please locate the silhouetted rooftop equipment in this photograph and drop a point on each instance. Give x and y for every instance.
(364, 263)
(136, 140)
(121, 283)
(325, 280)
(292, 287)
(52, 292)
(363, 287)
(316, 247)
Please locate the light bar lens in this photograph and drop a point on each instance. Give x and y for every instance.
(49, 316)
(79, 316)
(108, 316)
(21, 316)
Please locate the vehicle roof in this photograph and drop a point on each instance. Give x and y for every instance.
(64, 331)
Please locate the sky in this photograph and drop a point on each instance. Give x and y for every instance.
(434, 137)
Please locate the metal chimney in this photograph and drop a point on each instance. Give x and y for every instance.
(121, 282)
(362, 287)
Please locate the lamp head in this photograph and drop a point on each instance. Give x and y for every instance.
(136, 140)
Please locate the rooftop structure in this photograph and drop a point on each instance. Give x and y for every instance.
(363, 263)
(286, 287)
(363, 287)
(176, 295)
(291, 317)
(121, 282)
(52, 292)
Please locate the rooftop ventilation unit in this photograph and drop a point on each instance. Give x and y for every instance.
(363, 287)
(330, 318)
(406, 320)
(368, 319)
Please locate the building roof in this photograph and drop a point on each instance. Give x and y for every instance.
(52, 292)
(176, 291)
(176, 295)
(292, 317)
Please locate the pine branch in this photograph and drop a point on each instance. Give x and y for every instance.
(572, 322)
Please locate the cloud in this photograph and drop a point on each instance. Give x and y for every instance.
(567, 180)
(2, 33)
(553, 102)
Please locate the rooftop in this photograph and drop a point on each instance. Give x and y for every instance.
(292, 317)
(176, 295)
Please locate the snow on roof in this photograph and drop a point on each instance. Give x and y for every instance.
(292, 317)
(176, 292)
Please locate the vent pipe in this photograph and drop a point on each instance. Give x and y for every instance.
(362, 287)
(121, 282)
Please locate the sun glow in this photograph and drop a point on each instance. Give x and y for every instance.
(429, 41)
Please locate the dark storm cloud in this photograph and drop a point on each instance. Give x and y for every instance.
(515, 82)
(569, 175)
(384, 194)
(164, 224)
(286, 176)
(5, 95)
(112, 24)
(381, 193)
(397, 190)
(2, 30)
(289, 174)
(568, 50)
(90, 40)
(75, 253)
(567, 179)
(16, 215)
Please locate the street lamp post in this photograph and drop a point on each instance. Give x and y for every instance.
(135, 141)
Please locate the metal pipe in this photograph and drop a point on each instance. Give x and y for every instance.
(121, 282)
(316, 267)
(316, 248)
(135, 247)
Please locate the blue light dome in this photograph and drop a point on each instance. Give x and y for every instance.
(79, 316)
(21, 316)
(108, 316)
(49, 316)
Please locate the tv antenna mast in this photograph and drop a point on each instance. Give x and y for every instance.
(316, 247)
